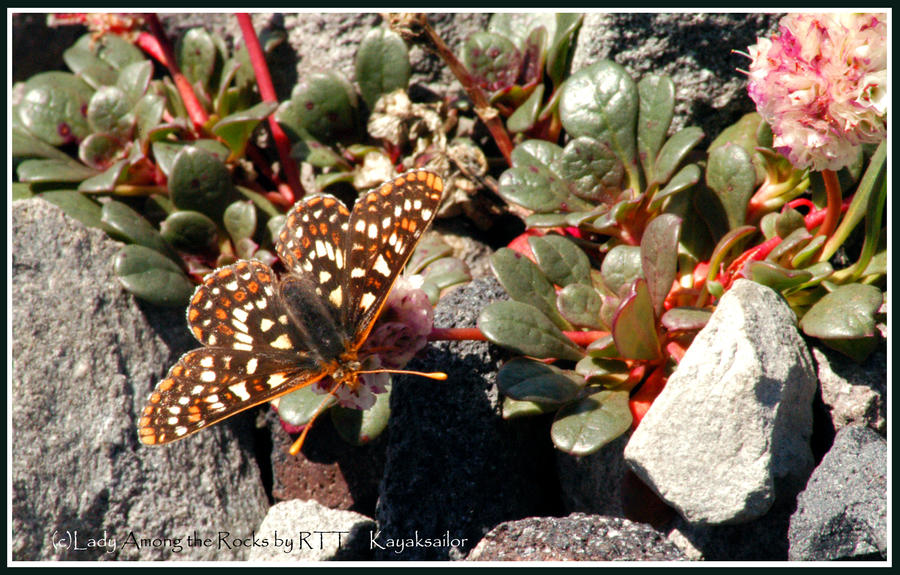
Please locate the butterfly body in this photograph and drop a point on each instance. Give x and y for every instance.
(264, 337)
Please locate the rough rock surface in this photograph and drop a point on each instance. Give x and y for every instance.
(842, 514)
(85, 356)
(453, 466)
(855, 394)
(307, 531)
(731, 429)
(593, 483)
(578, 537)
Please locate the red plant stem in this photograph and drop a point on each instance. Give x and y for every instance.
(293, 190)
(149, 44)
(833, 207)
(191, 103)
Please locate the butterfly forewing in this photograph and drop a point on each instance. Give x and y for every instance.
(384, 228)
(210, 384)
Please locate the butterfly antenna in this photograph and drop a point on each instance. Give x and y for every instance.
(298, 444)
(438, 375)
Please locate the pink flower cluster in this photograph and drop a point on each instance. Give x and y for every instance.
(821, 83)
(399, 333)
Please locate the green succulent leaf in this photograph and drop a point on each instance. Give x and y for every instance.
(78, 206)
(99, 151)
(236, 129)
(583, 427)
(147, 114)
(24, 145)
(127, 225)
(524, 329)
(430, 249)
(196, 55)
(518, 26)
(112, 49)
(525, 282)
(535, 153)
(152, 277)
(53, 170)
(105, 181)
(316, 154)
(685, 319)
(621, 266)
(538, 189)
(240, 220)
(674, 151)
(686, 178)
(360, 427)
(513, 409)
(134, 80)
(189, 231)
(81, 59)
(199, 181)
(298, 407)
(382, 65)
(53, 107)
(659, 257)
(634, 327)
(526, 115)
(528, 380)
(846, 313)
(655, 113)
(601, 101)
(446, 272)
(561, 260)
(562, 42)
(323, 107)
(749, 132)
(731, 175)
(108, 111)
(595, 172)
(492, 59)
(610, 373)
(581, 305)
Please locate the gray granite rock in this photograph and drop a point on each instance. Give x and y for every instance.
(298, 530)
(731, 429)
(855, 394)
(696, 50)
(86, 356)
(454, 468)
(842, 514)
(578, 537)
(593, 483)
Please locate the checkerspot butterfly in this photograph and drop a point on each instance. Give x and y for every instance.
(264, 337)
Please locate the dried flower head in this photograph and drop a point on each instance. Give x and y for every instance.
(821, 83)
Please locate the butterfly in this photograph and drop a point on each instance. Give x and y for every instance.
(264, 337)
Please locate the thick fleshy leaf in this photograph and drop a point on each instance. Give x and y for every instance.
(24, 145)
(189, 231)
(127, 225)
(562, 43)
(240, 220)
(54, 106)
(196, 54)
(538, 189)
(108, 111)
(583, 427)
(80, 57)
(77, 205)
(750, 132)
(777, 277)
(147, 114)
(659, 257)
(657, 107)
(134, 80)
(525, 282)
(528, 380)
(674, 151)
(513, 409)
(53, 170)
(603, 347)
(634, 327)
(153, 277)
(430, 249)
(787, 222)
(561, 260)
(324, 107)
(316, 154)
(846, 313)
(601, 101)
(525, 330)
(525, 116)
(621, 266)
(105, 181)
(298, 407)
(112, 49)
(610, 373)
(731, 175)
(535, 153)
(236, 129)
(446, 272)
(359, 427)
(199, 181)
(99, 151)
(685, 319)
(595, 172)
(382, 65)
(518, 26)
(165, 151)
(493, 60)
(21, 191)
(683, 180)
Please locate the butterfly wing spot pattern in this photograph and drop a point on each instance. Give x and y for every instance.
(264, 337)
